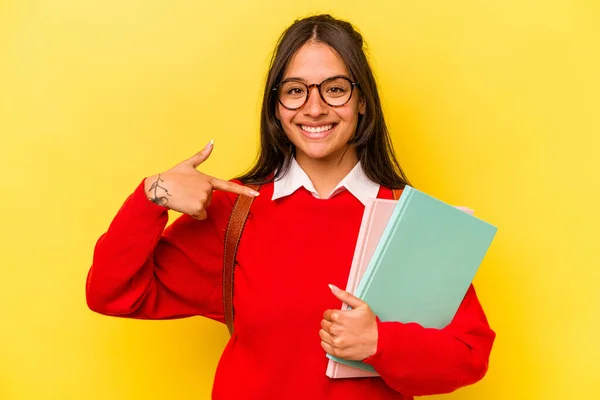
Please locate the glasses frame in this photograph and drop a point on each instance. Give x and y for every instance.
(318, 86)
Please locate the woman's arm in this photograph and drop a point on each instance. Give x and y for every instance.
(419, 361)
(141, 270)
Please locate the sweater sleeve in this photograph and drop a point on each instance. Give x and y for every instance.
(142, 270)
(418, 361)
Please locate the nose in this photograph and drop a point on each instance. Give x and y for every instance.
(315, 106)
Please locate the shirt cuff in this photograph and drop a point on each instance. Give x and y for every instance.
(384, 338)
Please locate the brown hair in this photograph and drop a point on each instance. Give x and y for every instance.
(372, 140)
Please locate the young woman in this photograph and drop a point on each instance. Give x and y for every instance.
(324, 150)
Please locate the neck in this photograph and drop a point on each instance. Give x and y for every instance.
(327, 173)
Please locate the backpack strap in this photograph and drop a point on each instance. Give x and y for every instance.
(232, 239)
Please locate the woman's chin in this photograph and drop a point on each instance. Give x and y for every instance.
(315, 152)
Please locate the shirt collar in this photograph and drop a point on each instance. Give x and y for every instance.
(356, 182)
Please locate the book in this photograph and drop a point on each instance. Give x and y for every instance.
(414, 261)
(375, 218)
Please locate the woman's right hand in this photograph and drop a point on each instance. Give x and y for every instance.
(186, 190)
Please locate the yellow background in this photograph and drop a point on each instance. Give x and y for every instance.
(492, 104)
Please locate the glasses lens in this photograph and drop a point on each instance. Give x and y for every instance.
(292, 94)
(336, 91)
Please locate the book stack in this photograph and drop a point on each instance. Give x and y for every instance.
(414, 261)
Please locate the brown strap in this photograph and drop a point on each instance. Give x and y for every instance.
(396, 193)
(232, 239)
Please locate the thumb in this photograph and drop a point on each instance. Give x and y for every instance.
(352, 301)
(201, 156)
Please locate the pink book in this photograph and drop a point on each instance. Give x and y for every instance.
(376, 215)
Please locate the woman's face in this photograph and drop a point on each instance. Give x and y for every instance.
(318, 130)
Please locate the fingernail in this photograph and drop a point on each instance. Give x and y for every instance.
(209, 145)
(253, 193)
(335, 289)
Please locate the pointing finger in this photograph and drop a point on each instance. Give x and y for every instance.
(232, 187)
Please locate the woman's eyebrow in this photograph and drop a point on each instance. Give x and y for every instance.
(294, 79)
(298, 79)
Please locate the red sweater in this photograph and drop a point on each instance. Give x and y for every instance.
(291, 249)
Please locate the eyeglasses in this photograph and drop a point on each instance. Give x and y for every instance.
(335, 91)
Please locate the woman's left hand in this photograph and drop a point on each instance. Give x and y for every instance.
(349, 334)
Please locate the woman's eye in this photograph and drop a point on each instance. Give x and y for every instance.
(296, 91)
(336, 90)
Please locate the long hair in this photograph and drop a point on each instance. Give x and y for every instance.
(371, 139)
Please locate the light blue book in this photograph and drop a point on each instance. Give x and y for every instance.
(424, 263)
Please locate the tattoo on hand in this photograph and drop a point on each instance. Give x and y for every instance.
(156, 198)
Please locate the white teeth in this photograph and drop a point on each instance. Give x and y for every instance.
(316, 129)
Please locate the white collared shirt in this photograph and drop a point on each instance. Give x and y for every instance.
(356, 182)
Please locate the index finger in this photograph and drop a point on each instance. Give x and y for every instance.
(331, 315)
(232, 187)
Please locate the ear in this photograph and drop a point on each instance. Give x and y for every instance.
(362, 106)
(277, 112)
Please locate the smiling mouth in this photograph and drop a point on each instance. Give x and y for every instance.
(317, 129)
